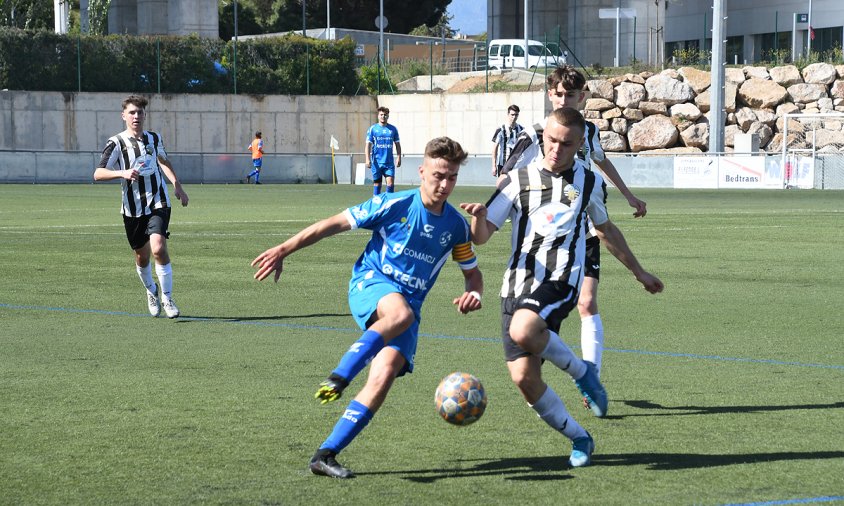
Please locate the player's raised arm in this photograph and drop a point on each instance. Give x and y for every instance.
(614, 240)
(482, 229)
(272, 259)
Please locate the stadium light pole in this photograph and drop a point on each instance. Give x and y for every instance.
(527, 48)
(716, 121)
(234, 53)
(304, 26)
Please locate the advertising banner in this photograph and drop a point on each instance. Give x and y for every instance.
(695, 172)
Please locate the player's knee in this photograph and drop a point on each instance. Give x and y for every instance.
(587, 306)
(403, 319)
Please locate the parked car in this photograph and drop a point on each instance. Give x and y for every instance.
(510, 53)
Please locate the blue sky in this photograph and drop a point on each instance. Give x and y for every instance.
(469, 16)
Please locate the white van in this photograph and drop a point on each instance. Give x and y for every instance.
(510, 53)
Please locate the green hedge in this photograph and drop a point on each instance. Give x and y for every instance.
(295, 65)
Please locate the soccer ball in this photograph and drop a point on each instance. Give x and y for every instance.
(460, 399)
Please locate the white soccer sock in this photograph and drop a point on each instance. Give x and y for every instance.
(145, 273)
(165, 279)
(561, 355)
(552, 411)
(592, 340)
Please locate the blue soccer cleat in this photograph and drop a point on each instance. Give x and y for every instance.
(592, 390)
(581, 451)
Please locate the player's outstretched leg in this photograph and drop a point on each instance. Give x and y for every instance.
(592, 390)
(359, 354)
(552, 411)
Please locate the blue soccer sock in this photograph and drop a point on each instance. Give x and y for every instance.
(354, 419)
(389, 188)
(376, 188)
(359, 354)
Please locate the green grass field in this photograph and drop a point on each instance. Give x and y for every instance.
(726, 388)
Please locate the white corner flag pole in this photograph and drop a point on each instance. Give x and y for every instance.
(335, 144)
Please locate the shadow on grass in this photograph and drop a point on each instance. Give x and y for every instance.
(236, 319)
(518, 469)
(714, 410)
(555, 467)
(676, 461)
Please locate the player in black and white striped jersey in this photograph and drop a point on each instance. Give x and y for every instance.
(566, 88)
(549, 203)
(138, 158)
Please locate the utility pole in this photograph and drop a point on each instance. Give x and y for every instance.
(719, 43)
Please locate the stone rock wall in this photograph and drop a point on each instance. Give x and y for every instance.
(670, 110)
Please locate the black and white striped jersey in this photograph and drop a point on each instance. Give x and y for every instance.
(529, 148)
(591, 149)
(123, 151)
(549, 213)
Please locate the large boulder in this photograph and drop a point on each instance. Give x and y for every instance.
(756, 72)
(649, 108)
(613, 142)
(598, 104)
(761, 93)
(837, 89)
(699, 80)
(696, 136)
(819, 73)
(786, 75)
(629, 95)
(653, 132)
(670, 91)
(600, 88)
(806, 93)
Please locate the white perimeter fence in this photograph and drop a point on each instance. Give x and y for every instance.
(813, 169)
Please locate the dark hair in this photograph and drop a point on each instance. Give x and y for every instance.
(258, 134)
(384, 109)
(513, 108)
(569, 117)
(447, 149)
(137, 101)
(568, 76)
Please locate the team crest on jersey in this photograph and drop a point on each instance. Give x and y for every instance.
(404, 224)
(149, 150)
(445, 238)
(359, 213)
(572, 192)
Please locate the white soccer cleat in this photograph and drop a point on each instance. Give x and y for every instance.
(152, 304)
(170, 308)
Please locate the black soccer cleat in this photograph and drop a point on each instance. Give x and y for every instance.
(331, 389)
(323, 463)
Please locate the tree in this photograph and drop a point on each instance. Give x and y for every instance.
(360, 14)
(98, 16)
(246, 22)
(441, 29)
(27, 14)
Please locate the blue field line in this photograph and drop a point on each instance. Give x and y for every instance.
(831, 498)
(298, 326)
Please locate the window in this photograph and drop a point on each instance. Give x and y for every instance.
(505, 50)
(493, 50)
(518, 51)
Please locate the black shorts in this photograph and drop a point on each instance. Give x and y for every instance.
(592, 267)
(552, 301)
(138, 230)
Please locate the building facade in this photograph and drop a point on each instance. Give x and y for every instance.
(160, 17)
(651, 31)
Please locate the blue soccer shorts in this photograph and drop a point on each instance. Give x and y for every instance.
(385, 170)
(364, 294)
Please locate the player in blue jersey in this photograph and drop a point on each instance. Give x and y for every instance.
(379, 151)
(413, 234)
